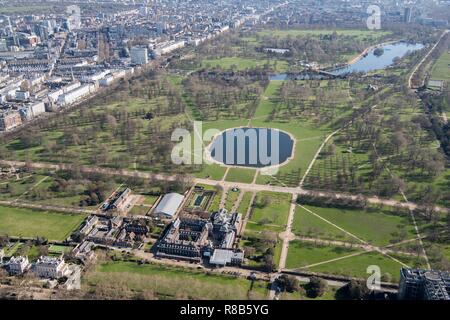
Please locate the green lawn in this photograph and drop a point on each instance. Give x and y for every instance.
(150, 199)
(307, 225)
(30, 223)
(273, 215)
(378, 227)
(441, 69)
(231, 199)
(164, 282)
(240, 175)
(301, 254)
(57, 250)
(240, 63)
(245, 203)
(215, 203)
(357, 266)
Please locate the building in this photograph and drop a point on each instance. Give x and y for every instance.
(168, 206)
(407, 15)
(417, 284)
(74, 95)
(136, 228)
(9, 120)
(50, 267)
(194, 239)
(18, 265)
(122, 202)
(83, 251)
(30, 111)
(22, 95)
(139, 55)
(110, 231)
(184, 239)
(169, 47)
(89, 225)
(222, 258)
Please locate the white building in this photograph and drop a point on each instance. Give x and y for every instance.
(71, 86)
(169, 204)
(139, 55)
(106, 81)
(76, 94)
(33, 110)
(50, 267)
(169, 47)
(18, 265)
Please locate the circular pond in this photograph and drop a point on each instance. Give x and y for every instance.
(252, 147)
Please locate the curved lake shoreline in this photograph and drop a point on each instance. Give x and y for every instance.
(365, 62)
(245, 142)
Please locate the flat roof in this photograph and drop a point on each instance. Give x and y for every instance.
(169, 204)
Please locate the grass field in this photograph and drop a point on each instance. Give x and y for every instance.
(240, 175)
(441, 69)
(357, 266)
(240, 63)
(245, 203)
(164, 282)
(57, 249)
(30, 223)
(374, 226)
(273, 215)
(303, 254)
(307, 225)
(232, 196)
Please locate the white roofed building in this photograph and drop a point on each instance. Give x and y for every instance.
(169, 204)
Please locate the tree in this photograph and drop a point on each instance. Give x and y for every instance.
(289, 283)
(269, 265)
(316, 287)
(354, 290)
(386, 277)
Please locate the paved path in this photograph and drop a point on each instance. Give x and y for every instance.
(287, 235)
(412, 215)
(45, 207)
(247, 214)
(423, 60)
(366, 247)
(224, 184)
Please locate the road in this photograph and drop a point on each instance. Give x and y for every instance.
(287, 235)
(423, 60)
(38, 206)
(225, 184)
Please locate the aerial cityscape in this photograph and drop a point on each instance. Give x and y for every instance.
(224, 150)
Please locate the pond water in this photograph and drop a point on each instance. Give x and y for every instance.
(366, 64)
(373, 62)
(252, 147)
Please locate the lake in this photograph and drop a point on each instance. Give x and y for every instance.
(371, 62)
(252, 147)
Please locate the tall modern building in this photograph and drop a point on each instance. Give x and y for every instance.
(139, 55)
(407, 15)
(417, 284)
